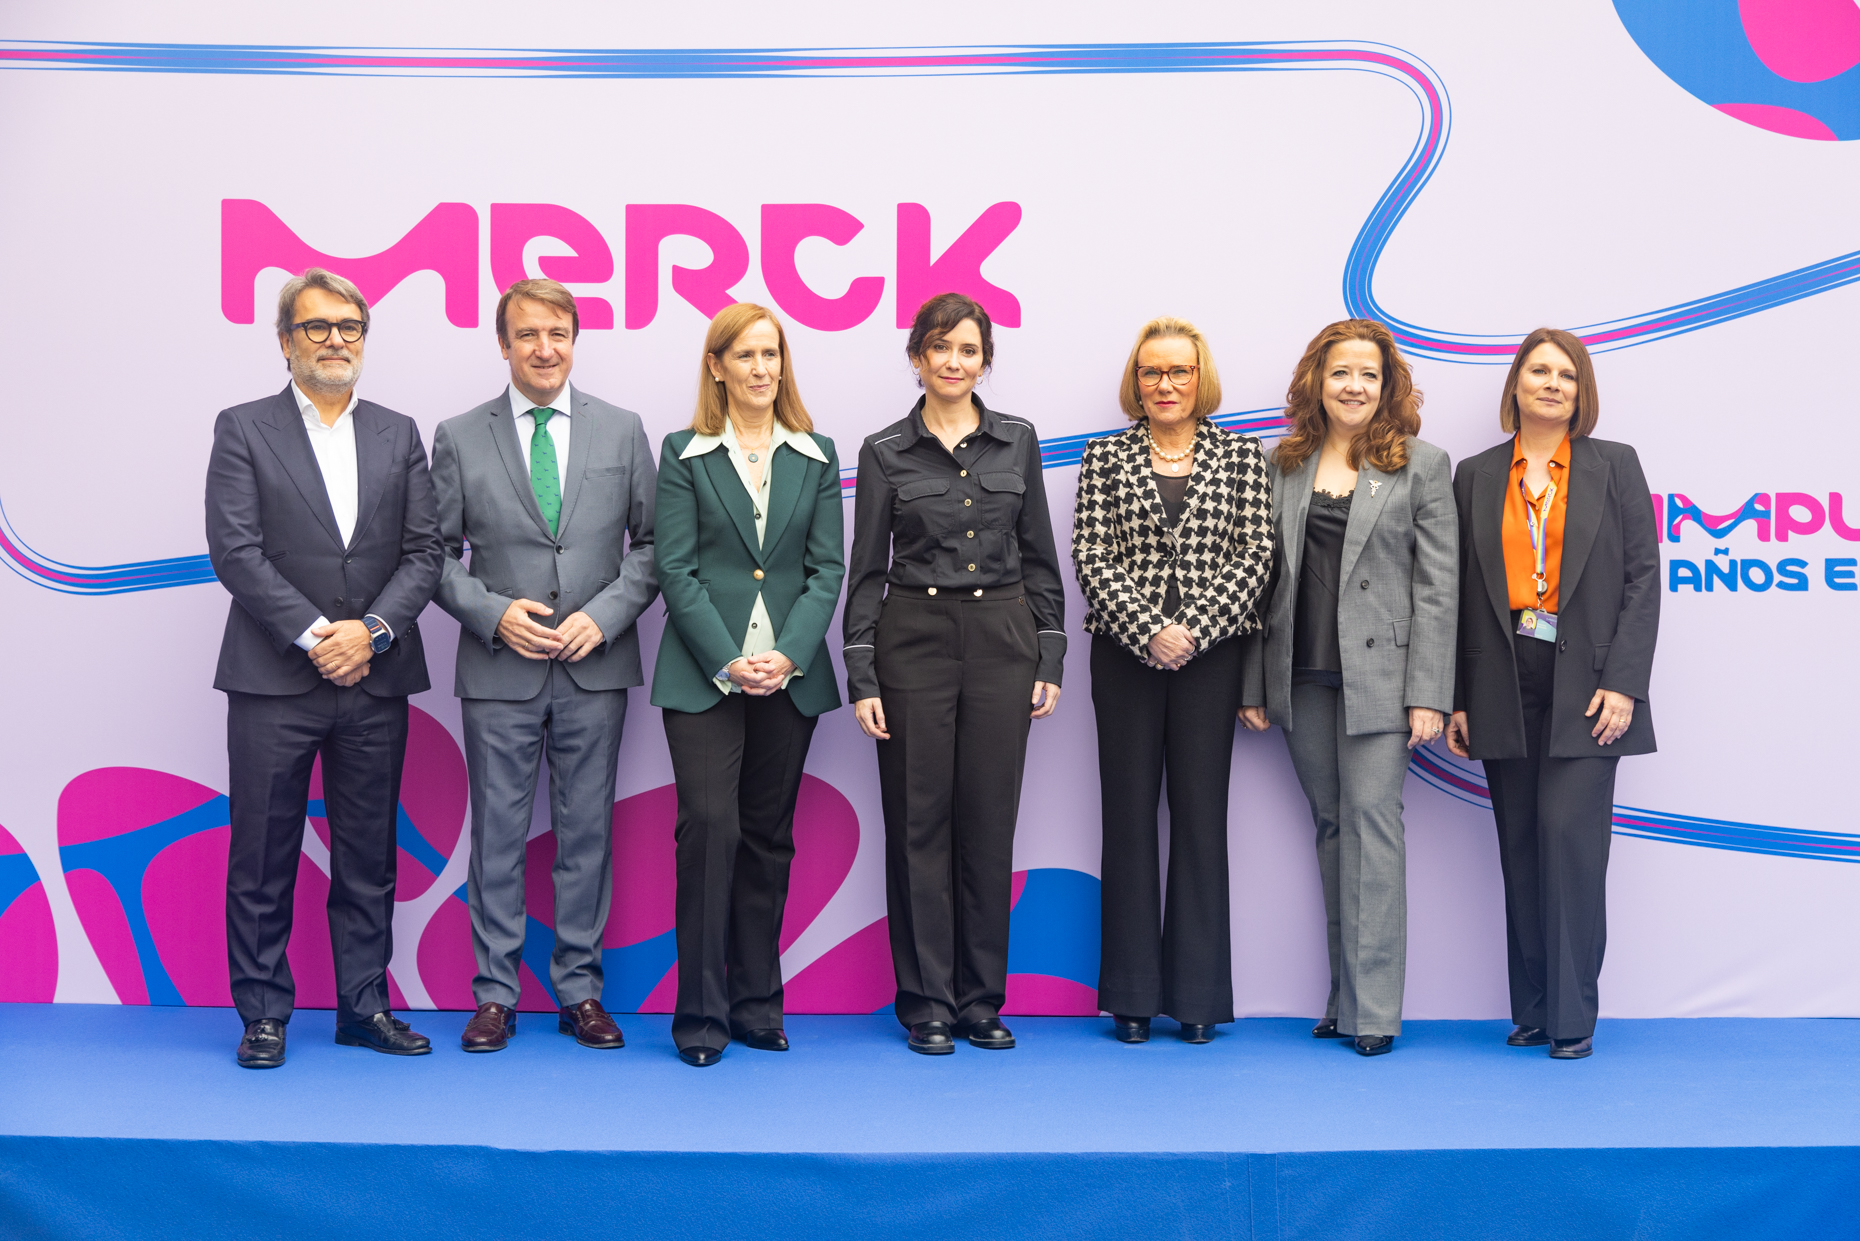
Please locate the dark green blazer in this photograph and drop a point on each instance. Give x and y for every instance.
(707, 561)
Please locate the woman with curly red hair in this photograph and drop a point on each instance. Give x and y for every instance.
(1355, 661)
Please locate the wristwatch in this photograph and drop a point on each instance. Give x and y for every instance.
(379, 636)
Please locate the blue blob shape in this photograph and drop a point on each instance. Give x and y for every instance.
(1701, 46)
(17, 874)
(633, 971)
(1055, 926)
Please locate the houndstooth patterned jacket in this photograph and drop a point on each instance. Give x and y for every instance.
(1221, 550)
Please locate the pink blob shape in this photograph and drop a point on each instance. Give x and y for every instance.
(313, 962)
(532, 996)
(184, 900)
(8, 845)
(663, 998)
(539, 884)
(396, 999)
(1803, 40)
(1777, 120)
(445, 956)
(433, 791)
(826, 838)
(853, 976)
(107, 928)
(1020, 885)
(1042, 995)
(645, 867)
(110, 801)
(28, 948)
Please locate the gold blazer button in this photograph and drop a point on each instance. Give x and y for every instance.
(758, 575)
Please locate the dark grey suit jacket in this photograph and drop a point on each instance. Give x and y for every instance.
(1397, 597)
(274, 543)
(1608, 603)
(600, 561)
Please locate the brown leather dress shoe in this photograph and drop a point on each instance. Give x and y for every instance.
(591, 1026)
(490, 1029)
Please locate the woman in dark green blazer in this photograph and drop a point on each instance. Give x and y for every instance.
(750, 558)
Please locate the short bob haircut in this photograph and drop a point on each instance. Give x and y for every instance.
(1384, 442)
(712, 403)
(940, 316)
(316, 278)
(1207, 395)
(549, 293)
(1588, 404)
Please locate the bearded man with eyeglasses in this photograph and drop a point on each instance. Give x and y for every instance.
(321, 522)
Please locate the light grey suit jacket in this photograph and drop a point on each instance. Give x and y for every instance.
(599, 561)
(1397, 598)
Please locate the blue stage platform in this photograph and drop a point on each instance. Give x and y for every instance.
(135, 1123)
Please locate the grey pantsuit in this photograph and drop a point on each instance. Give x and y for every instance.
(580, 731)
(1354, 787)
(1397, 601)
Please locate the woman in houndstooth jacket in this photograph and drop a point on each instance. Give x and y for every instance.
(1172, 540)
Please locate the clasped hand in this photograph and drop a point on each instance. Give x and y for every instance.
(342, 651)
(760, 675)
(870, 712)
(1171, 648)
(569, 642)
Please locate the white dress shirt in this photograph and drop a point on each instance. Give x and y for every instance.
(760, 638)
(334, 447)
(524, 411)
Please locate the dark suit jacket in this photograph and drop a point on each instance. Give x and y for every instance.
(273, 541)
(709, 558)
(1608, 600)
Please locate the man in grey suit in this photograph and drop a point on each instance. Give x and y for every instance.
(321, 525)
(553, 491)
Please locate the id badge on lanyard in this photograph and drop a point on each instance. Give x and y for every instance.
(1535, 622)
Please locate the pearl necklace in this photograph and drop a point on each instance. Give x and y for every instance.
(1173, 460)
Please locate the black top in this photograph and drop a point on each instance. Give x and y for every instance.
(977, 517)
(1174, 493)
(1314, 623)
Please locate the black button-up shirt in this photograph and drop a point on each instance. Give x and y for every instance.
(976, 517)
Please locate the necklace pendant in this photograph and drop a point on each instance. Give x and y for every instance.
(753, 457)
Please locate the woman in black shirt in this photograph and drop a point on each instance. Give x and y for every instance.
(1172, 539)
(955, 636)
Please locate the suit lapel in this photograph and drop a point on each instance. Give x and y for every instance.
(1143, 483)
(374, 451)
(1488, 531)
(284, 432)
(581, 431)
(735, 497)
(510, 448)
(1294, 505)
(1588, 492)
(1209, 476)
(790, 472)
(1364, 510)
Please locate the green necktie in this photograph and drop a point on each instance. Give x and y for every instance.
(545, 480)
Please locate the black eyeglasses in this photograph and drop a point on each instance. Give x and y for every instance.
(317, 330)
(1150, 376)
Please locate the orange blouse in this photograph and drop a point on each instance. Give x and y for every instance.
(1520, 560)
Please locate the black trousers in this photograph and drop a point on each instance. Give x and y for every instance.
(956, 676)
(738, 773)
(1555, 820)
(271, 744)
(1172, 955)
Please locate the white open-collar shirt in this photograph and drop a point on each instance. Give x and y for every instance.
(760, 638)
(334, 448)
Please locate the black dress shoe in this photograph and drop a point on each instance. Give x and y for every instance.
(263, 1044)
(1527, 1036)
(988, 1033)
(1131, 1029)
(931, 1038)
(1374, 1044)
(1327, 1028)
(384, 1034)
(767, 1039)
(699, 1057)
(1192, 1033)
(1571, 1048)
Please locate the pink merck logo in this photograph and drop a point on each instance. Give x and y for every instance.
(445, 241)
